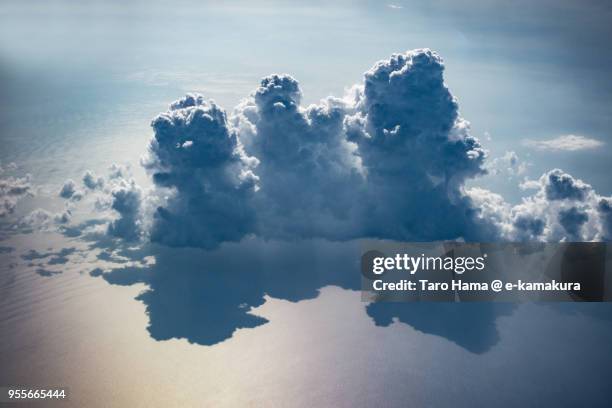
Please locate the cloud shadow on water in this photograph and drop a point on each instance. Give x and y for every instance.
(469, 325)
(205, 296)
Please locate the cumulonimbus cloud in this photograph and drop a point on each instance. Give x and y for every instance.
(196, 157)
(389, 160)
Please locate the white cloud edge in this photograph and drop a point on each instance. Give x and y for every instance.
(570, 143)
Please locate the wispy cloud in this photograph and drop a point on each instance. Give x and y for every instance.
(193, 80)
(565, 142)
(509, 163)
(395, 6)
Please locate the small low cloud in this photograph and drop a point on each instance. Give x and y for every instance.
(118, 171)
(565, 142)
(41, 219)
(562, 208)
(12, 189)
(509, 164)
(395, 6)
(126, 200)
(91, 181)
(69, 191)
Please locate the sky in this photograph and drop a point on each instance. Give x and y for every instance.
(520, 70)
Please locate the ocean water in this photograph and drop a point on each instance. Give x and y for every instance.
(277, 324)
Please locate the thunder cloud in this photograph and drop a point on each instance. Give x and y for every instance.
(389, 160)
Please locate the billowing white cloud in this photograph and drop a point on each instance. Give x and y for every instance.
(416, 150)
(389, 160)
(69, 191)
(117, 171)
(126, 201)
(604, 208)
(13, 189)
(509, 163)
(91, 181)
(562, 208)
(309, 174)
(40, 219)
(197, 161)
(565, 142)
